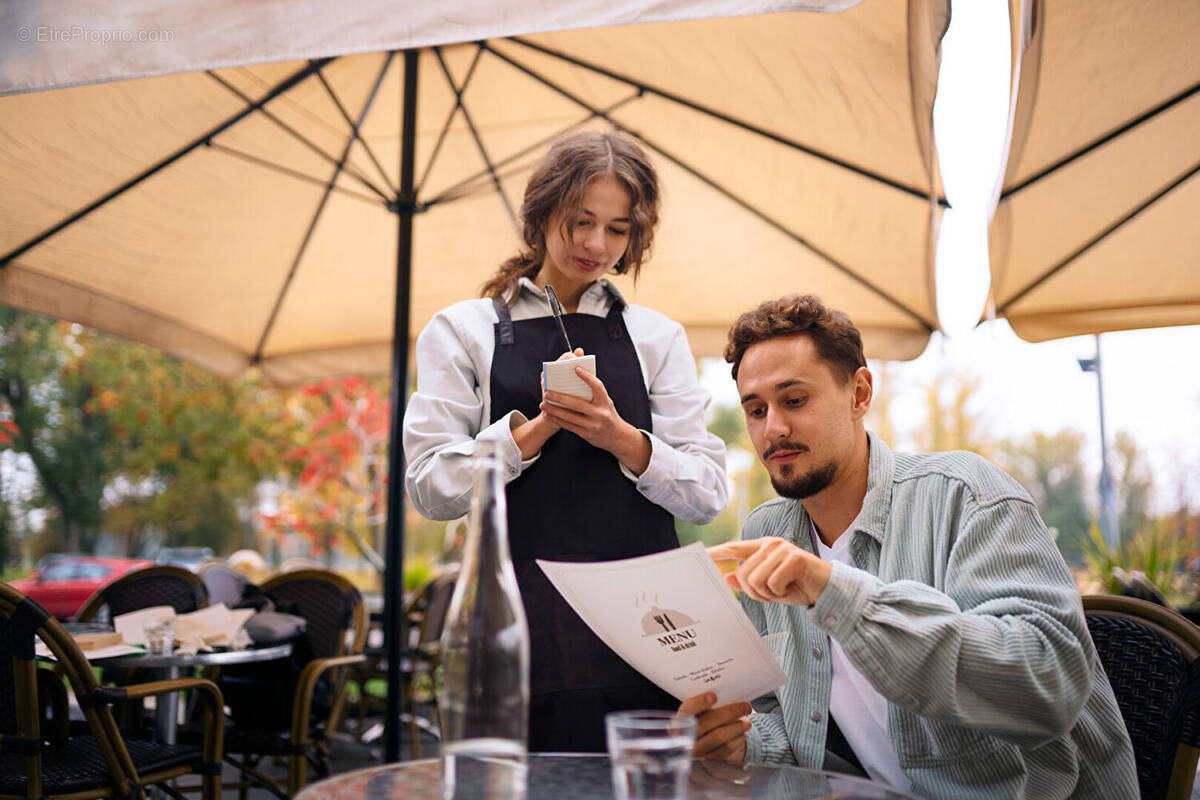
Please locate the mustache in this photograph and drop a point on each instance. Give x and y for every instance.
(777, 446)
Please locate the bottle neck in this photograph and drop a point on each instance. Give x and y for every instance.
(487, 522)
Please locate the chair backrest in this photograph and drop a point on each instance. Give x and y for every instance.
(163, 585)
(1152, 658)
(436, 604)
(224, 583)
(22, 623)
(332, 607)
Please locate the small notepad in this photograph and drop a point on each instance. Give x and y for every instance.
(559, 376)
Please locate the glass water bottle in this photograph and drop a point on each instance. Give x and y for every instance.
(483, 696)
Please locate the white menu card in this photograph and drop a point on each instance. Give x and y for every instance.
(671, 616)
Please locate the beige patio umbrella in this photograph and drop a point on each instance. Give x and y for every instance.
(218, 198)
(1096, 223)
(230, 216)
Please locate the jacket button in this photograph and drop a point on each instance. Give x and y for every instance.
(815, 716)
(817, 653)
(831, 620)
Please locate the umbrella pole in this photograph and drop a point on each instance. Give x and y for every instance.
(393, 584)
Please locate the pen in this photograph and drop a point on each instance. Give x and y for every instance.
(556, 307)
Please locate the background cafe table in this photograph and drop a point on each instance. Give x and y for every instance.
(587, 777)
(170, 667)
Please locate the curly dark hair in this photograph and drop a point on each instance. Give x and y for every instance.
(558, 184)
(837, 340)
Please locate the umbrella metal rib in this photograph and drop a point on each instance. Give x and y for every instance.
(287, 83)
(1061, 265)
(715, 114)
(464, 188)
(712, 183)
(437, 146)
(258, 350)
(363, 142)
(291, 173)
(1100, 142)
(458, 103)
(311, 145)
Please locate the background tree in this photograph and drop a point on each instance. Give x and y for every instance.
(879, 418)
(45, 389)
(1134, 484)
(1050, 467)
(339, 467)
(125, 438)
(950, 422)
(189, 448)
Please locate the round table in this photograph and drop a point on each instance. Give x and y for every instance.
(170, 667)
(553, 776)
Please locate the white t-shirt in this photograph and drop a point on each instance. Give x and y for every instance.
(859, 710)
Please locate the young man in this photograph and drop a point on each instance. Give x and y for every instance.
(931, 633)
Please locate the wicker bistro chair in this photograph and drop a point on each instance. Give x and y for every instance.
(45, 761)
(1152, 658)
(224, 583)
(424, 614)
(163, 585)
(289, 708)
(421, 658)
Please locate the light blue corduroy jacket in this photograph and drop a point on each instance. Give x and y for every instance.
(962, 614)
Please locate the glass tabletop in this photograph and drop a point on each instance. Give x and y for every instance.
(587, 777)
(217, 657)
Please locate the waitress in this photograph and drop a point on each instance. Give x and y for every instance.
(587, 481)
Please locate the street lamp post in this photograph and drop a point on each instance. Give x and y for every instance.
(1108, 504)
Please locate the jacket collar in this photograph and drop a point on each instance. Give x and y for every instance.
(873, 515)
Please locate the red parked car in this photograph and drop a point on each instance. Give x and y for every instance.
(62, 586)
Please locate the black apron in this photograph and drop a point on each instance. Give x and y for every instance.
(574, 504)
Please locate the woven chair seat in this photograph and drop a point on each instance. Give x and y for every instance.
(73, 766)
(1150, 655)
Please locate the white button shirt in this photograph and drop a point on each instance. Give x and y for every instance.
(451, 409)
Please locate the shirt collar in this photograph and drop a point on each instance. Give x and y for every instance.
(595, 294)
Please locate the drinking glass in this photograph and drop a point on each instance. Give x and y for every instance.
(651, 753)
(160, 635)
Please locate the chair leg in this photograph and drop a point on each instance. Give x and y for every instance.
(297, 773)
(414, 733)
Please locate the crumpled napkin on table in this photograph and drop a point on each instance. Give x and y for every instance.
(198, 631)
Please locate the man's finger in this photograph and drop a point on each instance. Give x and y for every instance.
(721, 716)
(717, 741)
(694, 705)
(734, 551)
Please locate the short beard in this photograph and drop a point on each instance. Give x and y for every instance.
(800, 487)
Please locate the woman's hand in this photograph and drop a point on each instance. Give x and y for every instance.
(531, 436)
(598, 423)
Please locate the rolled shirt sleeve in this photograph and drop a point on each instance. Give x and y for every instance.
(686, 473)
(443, 422)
